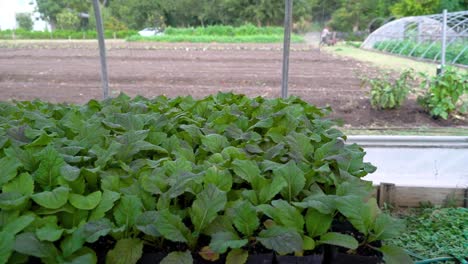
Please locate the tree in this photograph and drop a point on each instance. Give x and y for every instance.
(24, 21)
(137, 14)
(68, 20)
(49, 9)
(354, 15)
(427, 7)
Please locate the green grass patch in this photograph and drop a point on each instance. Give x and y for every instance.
(436, 232)
(246, 30)
(221, 34)
(61, 34)
(384, 61)
(215, 38)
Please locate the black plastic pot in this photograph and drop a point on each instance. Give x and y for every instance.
(311, 259)
(151, 258)
(260, 258)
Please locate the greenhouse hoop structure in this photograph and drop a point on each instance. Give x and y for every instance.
(425, 37)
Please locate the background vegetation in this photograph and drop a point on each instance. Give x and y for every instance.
(342, 15)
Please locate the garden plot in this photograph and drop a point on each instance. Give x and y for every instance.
(69, 72)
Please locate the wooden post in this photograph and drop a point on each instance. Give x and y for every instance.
(386, 194)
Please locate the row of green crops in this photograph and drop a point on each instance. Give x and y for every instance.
(425, 50)
(61, 34)
(223, 175)
(246, 30)
(218, 39)
(221, 34)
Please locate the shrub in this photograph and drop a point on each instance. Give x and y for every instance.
(223, 175)
(445, 94)
(386, 93)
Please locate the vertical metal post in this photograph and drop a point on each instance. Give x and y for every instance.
(444, 40)
(286, 46)
(102, 49)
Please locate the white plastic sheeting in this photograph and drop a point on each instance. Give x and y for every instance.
(417, 161)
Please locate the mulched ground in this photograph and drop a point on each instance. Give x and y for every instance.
(69, 72)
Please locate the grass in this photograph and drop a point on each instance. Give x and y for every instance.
(221, 34)
(380, 60)
(435, 232)
(215, 38)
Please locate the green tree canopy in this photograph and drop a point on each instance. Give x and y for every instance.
(24, 21)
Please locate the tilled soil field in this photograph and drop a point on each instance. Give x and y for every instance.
(64, 71)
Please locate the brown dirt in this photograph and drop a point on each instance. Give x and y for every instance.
(70, 72)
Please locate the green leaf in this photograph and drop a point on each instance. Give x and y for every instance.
(317, 223)
(18, 224)
(220, 178)
(386, 227)
(147, 222)
(49, 169)
(361, 215)
(245, 218)
(70, 173)
(52, 200)
(237, 256)
(7, 240)
(171, 227)
(395, 255)
(220, 242)
(49, 232)
(126, 251)
(206, 206)
(154, 183)
(23, 184)
(282, 212)
(214, 143)
(72, 243)
(246, 169)
(87, 202)
(270, 188)
(128, 210)
(86, 258)
(294, 178)
(309, 243)
(325, 204)
(94, 229)
(28, 244)
(9, 167)
(107, 202)
(338, 239)
(178, 258)
(281, 239)
(105, 155)
(12, 200)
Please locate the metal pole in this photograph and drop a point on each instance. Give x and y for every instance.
(444, 40)
(102, 49)
(286, 46)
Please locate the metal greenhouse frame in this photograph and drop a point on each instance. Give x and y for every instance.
(439, 37)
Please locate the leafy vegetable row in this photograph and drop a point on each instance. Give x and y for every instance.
(225, 174)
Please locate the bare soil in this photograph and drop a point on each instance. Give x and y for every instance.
(70, 72)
